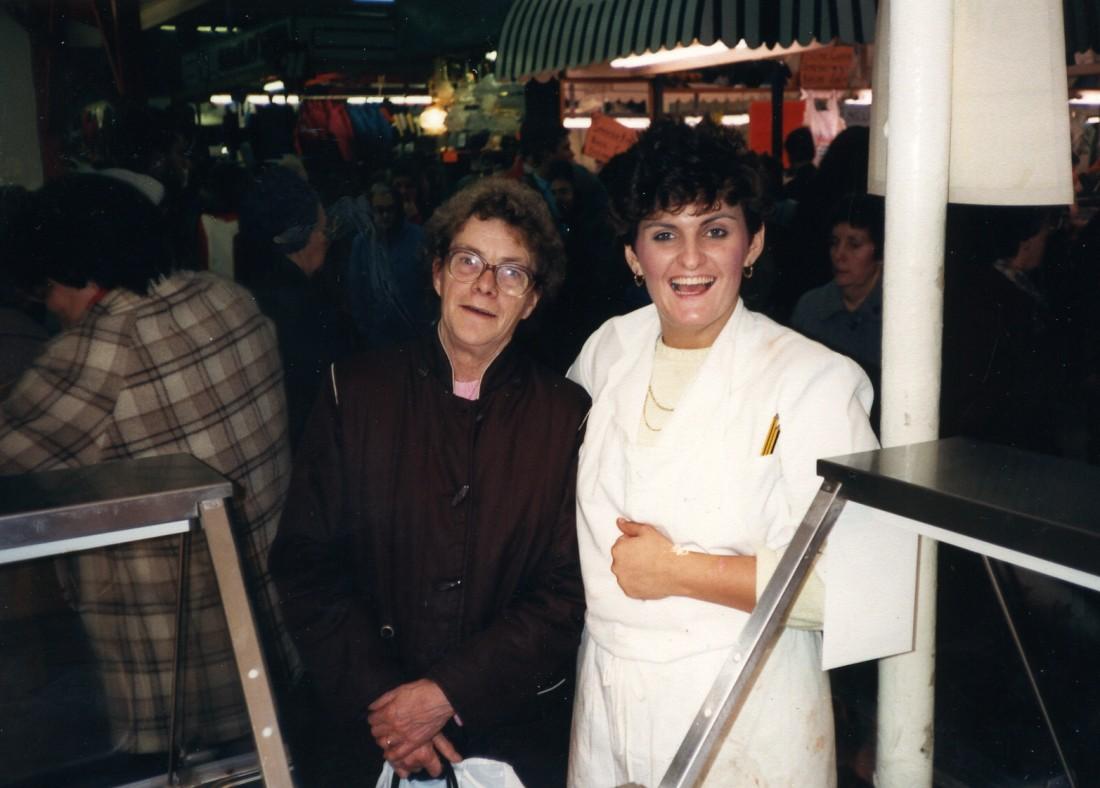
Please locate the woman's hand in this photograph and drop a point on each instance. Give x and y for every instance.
(642, 561)
(426, 757)
(406, 718)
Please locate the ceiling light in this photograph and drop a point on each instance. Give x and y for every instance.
(357, 99)
(274, 86)
(258, 99)
(168, 28)
(433, 119)
(576, 123)
(1085, 97)
(221, 29)
(279, 100)
(663, 55)
(693, 120)
(293, 100)
(1092, 120)
(634, 123)
(204, 29)
(735, 120)
(423, 100)
(491, 56)
(862, 98)
(221, 99)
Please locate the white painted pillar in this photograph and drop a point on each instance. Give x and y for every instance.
(918, 148)
(20, 153)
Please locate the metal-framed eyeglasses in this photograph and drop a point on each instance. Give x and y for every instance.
(512, 279)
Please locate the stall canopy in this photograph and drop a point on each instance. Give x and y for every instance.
(542, 36)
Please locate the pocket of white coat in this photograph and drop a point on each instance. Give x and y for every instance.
(754, 495)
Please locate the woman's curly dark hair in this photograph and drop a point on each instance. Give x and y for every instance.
(517, 205)
(674, 166)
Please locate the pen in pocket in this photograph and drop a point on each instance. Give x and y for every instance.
(772, 438)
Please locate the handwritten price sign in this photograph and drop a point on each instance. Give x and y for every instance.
(607, 138)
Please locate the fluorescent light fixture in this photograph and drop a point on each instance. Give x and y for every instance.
(673, 55)
(735, 120)
(221, 99)
(274, 86)
(692, 120)
(422, 100)
(357, 99)
(491, 56)
(281, 100)
(204, 29)
(375, 99)
(258, 99)
(293, 100)
(863, 97)
(585, 123)
(168, 28)
(1086, 97)
(221, 29)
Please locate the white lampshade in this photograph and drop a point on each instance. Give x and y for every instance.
(1010, 137)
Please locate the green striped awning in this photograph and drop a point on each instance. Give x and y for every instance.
(549, 35)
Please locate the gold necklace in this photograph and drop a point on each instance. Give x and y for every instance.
(650, 394)
(645, 406)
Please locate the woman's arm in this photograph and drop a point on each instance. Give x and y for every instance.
(649, 566)
(313, 563)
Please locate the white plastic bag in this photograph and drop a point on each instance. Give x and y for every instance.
(471, 773)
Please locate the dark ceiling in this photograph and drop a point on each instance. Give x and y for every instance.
(424, 27)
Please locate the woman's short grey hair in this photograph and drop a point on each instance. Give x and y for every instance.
(517, 205)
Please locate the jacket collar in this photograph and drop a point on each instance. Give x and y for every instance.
(507, 368)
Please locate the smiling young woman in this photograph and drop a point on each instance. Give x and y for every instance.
(692, 260)
(699, 460)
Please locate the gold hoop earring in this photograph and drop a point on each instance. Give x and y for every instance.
(748, 271)
(639, 280)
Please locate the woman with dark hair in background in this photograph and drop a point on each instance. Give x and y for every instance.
(845, 314)
(427, 557)
(697, 466)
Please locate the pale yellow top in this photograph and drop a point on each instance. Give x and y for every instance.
(673, 371)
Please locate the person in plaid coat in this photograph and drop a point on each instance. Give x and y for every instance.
(151, 362)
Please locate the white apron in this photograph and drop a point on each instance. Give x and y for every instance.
(645, 666)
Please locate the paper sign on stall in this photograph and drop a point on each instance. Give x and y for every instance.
(607, 138)
(870, 592)
(828, 68)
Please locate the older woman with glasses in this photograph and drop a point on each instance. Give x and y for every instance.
(427, 557)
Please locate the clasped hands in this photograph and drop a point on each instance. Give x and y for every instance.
(407, 721)
(643, 561)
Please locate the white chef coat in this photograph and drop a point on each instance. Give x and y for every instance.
(645, 666)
